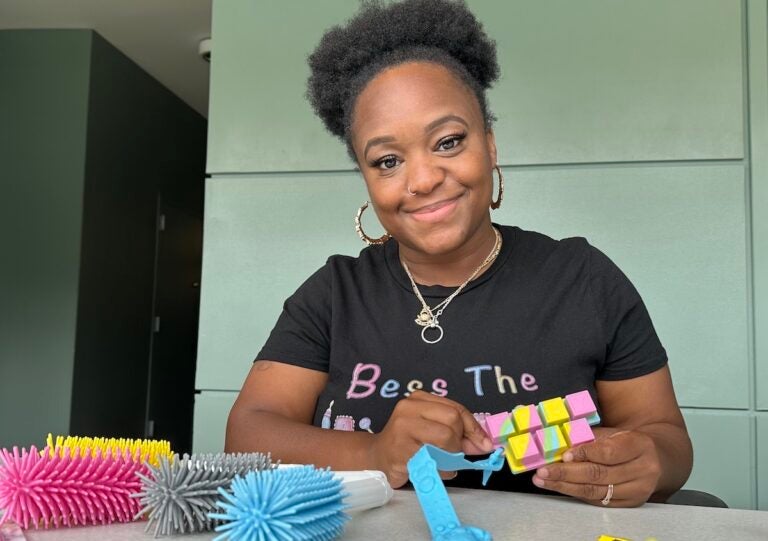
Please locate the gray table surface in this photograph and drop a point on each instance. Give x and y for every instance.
(508, 516)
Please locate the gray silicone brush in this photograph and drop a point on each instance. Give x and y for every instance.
(178, 494)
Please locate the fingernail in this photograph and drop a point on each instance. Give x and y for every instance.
(543, 473)
(487, 443)
(538, 482)
(568, 457)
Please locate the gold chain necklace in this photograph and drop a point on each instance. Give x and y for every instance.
(428, 317)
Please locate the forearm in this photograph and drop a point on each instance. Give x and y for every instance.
(675, 457)
(293, 442)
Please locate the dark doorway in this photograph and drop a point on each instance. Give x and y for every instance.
(171, 386)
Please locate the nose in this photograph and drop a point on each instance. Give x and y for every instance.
(424, 175)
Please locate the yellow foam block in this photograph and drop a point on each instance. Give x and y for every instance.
(526, 418)
(553, 411)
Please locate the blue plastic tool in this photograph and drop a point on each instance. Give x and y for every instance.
(441, 518)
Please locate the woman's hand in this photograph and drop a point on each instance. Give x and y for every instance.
(425, 418)
(626, 459)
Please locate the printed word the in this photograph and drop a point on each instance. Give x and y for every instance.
(527, 381)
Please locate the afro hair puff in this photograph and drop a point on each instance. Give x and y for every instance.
(383, 35)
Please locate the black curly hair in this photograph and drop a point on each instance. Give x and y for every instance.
(383, 35)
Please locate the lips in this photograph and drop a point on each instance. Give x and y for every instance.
(436, 211)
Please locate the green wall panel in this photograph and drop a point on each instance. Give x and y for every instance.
(211, 412)
(678, 232)
(258, 117)
(607, 81)
(265, 235)
(723, 459)
(762, 462)
(758, 83)
(588, 81)
(44, 78)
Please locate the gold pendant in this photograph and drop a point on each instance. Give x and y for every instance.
(423, 319)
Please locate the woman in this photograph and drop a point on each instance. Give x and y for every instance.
(449, 314)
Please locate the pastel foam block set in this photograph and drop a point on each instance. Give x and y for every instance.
(537, 434)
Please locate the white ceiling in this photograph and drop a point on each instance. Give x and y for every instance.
(161, 36)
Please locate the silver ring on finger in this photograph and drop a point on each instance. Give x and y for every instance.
(608, 495)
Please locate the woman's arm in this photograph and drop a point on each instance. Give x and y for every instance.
(645, 451)
(274, 412)
(648, 405)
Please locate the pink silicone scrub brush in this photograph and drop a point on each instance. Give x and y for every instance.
(68, 487)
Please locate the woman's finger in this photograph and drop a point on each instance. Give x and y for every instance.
(456, 415)
(630, 494)
(602, 432)
(618, 448)
(425, 430)
(591, 472)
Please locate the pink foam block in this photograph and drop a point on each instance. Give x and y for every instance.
(578, 432)
(580, 405)
(499, 427)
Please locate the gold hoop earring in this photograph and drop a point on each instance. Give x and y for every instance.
(496, 204)
(359, 228)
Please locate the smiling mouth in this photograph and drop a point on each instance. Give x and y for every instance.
(436, 211)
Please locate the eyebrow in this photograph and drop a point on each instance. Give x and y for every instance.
(377, 141)
(431, 126)
(442, 120)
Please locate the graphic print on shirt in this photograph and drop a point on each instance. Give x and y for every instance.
(367, 382)
(345, 423)
(326, 422)
(481, 379)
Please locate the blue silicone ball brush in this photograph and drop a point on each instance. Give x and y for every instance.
(300, 503)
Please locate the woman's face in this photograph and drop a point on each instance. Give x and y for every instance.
(417, 127)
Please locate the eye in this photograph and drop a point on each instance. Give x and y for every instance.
(450, 142)
(387, 162)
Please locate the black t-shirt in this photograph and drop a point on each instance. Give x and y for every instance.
(548, 318)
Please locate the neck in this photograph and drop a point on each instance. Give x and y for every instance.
(453, 268)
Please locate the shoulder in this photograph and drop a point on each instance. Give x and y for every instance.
(345, 270)
(369, 257)
(568, 260)
(538, 249)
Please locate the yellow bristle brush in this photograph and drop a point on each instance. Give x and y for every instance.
(149, 451)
